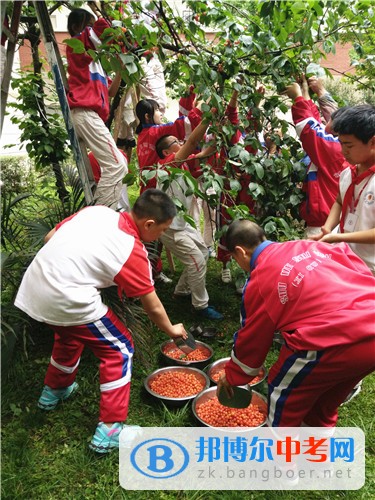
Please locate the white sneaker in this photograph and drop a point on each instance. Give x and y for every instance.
(163, 278)
(226, 276)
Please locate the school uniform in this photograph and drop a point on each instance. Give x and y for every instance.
(327, 162)
(321, 298)
(94, 249)
(89, 104)
(150, 133)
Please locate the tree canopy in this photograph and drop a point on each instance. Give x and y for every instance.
(269, 43)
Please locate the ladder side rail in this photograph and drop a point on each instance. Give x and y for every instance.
(79, 152)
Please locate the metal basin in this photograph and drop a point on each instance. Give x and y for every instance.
(169, 346)
(170, 401)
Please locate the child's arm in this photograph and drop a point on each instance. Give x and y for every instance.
(332, 221)
(367, 237)
(206, 152)
(326, 102)
(115, 85)
(192, 142)
(157, 314)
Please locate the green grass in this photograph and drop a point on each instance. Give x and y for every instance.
(45, 455)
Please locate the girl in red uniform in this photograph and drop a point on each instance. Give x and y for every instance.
(88, 98)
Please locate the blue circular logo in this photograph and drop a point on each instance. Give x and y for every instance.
(159, 458)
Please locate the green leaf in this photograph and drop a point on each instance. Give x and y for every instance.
(76, 45)
(193, 63)
(259, 170)
(235, 185)
(131, 68)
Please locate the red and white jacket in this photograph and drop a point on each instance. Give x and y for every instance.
(327, 162)
(149, 135)
(316, 294)
(93, 249)
(88, 83)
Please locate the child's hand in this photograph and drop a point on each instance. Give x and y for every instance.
(316, 85)
(293, 91)
(322, 236)
(178, 331)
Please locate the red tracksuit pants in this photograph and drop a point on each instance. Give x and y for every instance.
(111, 342)
(307, 387)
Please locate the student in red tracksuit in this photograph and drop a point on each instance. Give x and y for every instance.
(327, 161)
(94, 249)
(88, 98)
(149, 130)
(321, 298)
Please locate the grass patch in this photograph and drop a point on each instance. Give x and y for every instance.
(45, 455)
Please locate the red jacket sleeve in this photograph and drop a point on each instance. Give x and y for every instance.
(323, 149)
(252, 341)
(304, 108)
(135, 277)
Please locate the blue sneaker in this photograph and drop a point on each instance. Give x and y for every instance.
(106, 438)
(51, 397)
(210, 312)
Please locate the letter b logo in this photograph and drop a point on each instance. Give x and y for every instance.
(160, 458)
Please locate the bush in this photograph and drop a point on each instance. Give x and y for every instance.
(17, 175)
(347, 94)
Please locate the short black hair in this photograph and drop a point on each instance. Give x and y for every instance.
(155, 204)
(78, 20)
(244, 233)
(356, 120)
(162, 144)
(145, 107)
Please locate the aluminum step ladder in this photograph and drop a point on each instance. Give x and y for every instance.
(59, 76)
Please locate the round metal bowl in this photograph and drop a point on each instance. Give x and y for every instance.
(204, 396)
(169, 345)
(218, 365)
(184, 369)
